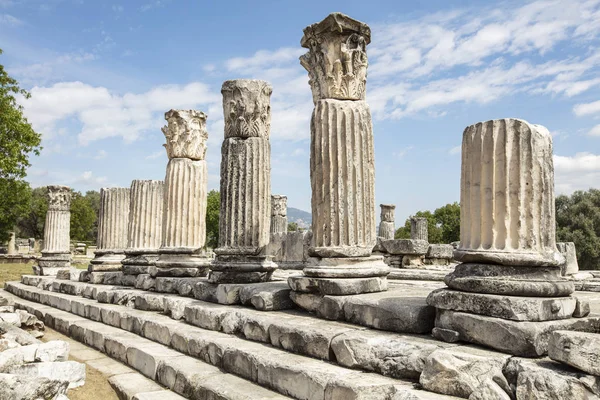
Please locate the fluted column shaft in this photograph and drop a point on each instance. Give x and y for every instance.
(145, 216)
(279, 221)
(56, 231)
(342, 167)
(184, 218)
(113, 219)
(387, 226)
(419, 229)
(507, 195)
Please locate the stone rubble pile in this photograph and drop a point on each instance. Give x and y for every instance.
(30, 369)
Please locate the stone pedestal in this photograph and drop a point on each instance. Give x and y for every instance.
(244, 221)
(112, 230)
(342, 160)
(185, 196)
(145, 227)
(571, 266)
(510, 282)
(419, 229)
(279, 221)
(56, 253)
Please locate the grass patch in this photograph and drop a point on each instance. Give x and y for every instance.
(13, 272)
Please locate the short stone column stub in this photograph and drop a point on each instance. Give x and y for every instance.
(419, 229)
(144, 235)
(185, 197)
(12, 244)
(342, 160)
(113, 222)
(245, 217)
(387, 226)
(56, 253)
(279, 221)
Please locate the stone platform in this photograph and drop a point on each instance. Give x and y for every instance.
(278, 354)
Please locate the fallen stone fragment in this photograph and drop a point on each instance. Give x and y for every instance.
(70, 371)
(577, 349)
(406, 246)
(459, 371)
(582, 308)
(54, 350)
(22, 387)
(446, 335)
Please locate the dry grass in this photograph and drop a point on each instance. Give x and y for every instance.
(13, 272)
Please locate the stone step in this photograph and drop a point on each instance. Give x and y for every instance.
(183, 375)
(294, 331)
(401, 309)
(289, 374)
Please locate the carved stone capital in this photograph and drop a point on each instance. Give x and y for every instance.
(247, 108)
(278, 205)
(59, 198)
(186, 134)
(337, 58)
(387, 212)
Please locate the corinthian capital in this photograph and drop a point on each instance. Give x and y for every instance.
(186, 134)
(247, 108)
(337, 57)
(59, 198)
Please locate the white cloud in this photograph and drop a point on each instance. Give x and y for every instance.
(103, 114)
(595, 131)
(587, 108)
(100, 155)
(455, 150)
(402, 152)
(580, 172)
(9, 20)
(155, 155)
(265, 58)
(88, 179)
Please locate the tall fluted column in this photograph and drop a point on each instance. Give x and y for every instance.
(112, 229)
(244, 222)
(279, 221)
(387, 227)
(342, 160)
(419, 229)
(511, 270)
(507, 195)
(185, 196)
(145, 226)
(56, 253)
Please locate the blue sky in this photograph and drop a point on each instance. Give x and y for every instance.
(102, 74)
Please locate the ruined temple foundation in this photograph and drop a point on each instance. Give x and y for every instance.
(342, 163)
(245, 223)
(112, 230)
(56, 253)
(181, 253)
(509, 286)
(145, 227)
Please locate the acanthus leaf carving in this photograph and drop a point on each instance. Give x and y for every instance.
(186, 134)
(247, 108)
(59, 198)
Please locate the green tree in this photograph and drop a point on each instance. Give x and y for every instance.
(83, 218)
(292, 227)
(213, 208)
(443, 225)
(448, 218)
(578, 221)
(15, 199)
(17, 141)
(92, 197)
(31, 224)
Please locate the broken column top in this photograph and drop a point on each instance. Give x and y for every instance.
(337, 58)
(247, 108)
(59, 197)
(186, 134)
(278, 205)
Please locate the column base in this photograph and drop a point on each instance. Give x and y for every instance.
(514, 258)
(181, 265)
(55, 260)
(106, 260)
(509, 280)
(351, 267)
(241, 269)
(136, 263)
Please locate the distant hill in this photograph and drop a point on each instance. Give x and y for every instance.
(302, 218)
